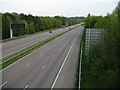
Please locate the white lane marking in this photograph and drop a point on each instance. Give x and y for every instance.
(27, 64)
(63, 64)
(25, 87)
(80, 68)
(43, 66)
(20, 59)
(3, 84)
(53, 55)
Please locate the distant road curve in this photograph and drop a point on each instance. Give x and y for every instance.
(14, 46)
(51, 66)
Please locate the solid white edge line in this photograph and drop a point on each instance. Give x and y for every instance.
(63, 64)
(19, 60)
(80, 68)
(3, 84)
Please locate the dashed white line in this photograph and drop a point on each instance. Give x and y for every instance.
(63, 64)
(43, 66)
(3, 84)
(53, 55)
(19, 60)
(27, 64)
(25, 87)
(80, 68)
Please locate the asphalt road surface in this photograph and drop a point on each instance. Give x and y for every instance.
(51, 66)
(14, 46)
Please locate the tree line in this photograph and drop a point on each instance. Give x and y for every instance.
(33, 23)
(104, 59)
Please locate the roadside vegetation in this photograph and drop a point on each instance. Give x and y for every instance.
(103, 68)
(17, 56)
(33, 23)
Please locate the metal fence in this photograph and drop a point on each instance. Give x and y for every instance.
(93, 37)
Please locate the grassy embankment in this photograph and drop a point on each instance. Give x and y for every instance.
(29, 51)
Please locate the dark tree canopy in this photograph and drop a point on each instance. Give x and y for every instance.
(33, 23)
(104, 59)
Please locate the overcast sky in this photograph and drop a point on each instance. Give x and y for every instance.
(59, 7)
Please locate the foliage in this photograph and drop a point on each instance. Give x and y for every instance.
(6, 20)
(104, 58)
(31, 28)
(33, 23)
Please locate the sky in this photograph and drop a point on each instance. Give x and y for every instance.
(67, 8)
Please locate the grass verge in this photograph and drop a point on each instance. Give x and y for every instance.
(76, 85)
(52, 29)
(87, 80)
(2, 66)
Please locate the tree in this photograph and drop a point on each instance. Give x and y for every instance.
(6, 20)
(31, 28)
(57, 21)
(36, 23)
(0, 26)
(105, 58)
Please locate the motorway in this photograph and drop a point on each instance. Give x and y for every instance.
(51, 66)
(14, 46)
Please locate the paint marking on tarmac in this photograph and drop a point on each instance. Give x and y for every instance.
(63, 64)
(53, 55)
(20, 59)
(3, 84)
(27, 64)
(43, 66)
(25, 87)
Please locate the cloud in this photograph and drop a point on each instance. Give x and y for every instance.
(59, 7)
(59, 0)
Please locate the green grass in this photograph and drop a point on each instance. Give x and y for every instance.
(26, 53)
(87, 80)
(21, 51)
(76, 85)
(52, 29)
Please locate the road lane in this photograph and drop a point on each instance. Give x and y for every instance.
(67, 76)
(35, 76)
(13, 46)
